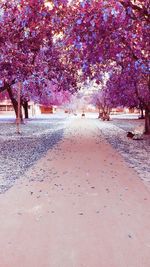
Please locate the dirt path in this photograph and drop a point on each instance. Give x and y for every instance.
(79, 206)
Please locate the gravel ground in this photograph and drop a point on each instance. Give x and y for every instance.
(135, 152)
(19, 152)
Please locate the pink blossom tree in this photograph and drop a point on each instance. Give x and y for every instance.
(117, 31)
(29, 55)
(70, 41)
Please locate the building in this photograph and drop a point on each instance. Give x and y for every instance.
(6, 108)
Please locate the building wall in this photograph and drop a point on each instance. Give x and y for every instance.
(6, 108)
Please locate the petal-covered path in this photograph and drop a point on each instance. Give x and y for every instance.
(78, 206)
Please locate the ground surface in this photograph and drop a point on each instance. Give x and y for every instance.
(19, 152)
(78, 205)
(135, 152)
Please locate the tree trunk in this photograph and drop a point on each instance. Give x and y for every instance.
(99, 113)
(25, 106)
(147, 120)
(142, 113)
(14, 102)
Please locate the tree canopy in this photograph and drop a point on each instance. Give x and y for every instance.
(53, 46)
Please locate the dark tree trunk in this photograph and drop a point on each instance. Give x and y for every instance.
(147, 120)
(142, 113)
(14, 102)
(99, 113)
(25, 106)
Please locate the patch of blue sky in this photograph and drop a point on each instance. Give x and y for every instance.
(105, 17)
(79, 21)
(114, 12)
